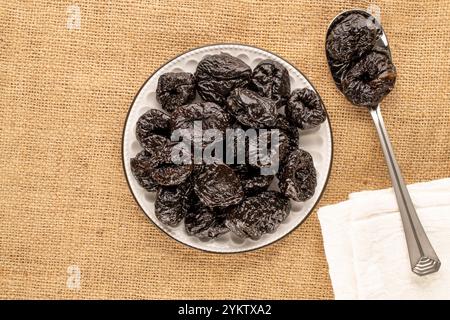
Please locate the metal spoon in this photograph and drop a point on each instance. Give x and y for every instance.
(422, 256)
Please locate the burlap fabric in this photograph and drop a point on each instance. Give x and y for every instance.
(65, 93)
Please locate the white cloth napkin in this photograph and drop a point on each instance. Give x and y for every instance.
(366, 248)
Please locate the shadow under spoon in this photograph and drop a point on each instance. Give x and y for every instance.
(356, 85)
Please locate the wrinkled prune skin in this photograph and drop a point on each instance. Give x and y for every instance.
(289, 130)
(258, 214)
(262, 149)
(172, 203)
(369, 80)
(351, 37)
(175, 89)
(252, 110)
(218, 186)
(167, 173)
(204, 222)
(297, 179)
(271, 80)
(256, 184)
(304, 109)
(162, 171)
(154, 143)
(211, 115)
(152, 122)
(217, 75)
(251, 179)
(141, 166)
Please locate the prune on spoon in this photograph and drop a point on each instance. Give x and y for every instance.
(217, 75)
(258, 214)
(204, 222)
(218, 186)
(297, 179)
(271, 80)
(175, 89)
(252, 110)
(152, 122)
(172, 203)
(351, 37)
(141, 166)
(369, 80)
(305, 109)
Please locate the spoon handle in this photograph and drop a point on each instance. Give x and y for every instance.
(422, 256)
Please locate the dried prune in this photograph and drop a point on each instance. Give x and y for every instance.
(305, 109)
(297, 179)
(289, 130)
(217, 75)
(218, 186)
(252, 181)
(141, 166)
(351, 36)
(204, 222)
(261, 152)
(210, 114)
(369, 80)
(175, 89)
(271, 80)
(157, 168)
(153, 143)
(252, 110)
(172, 203)
(153, 121)
(258, 214)
(166, 173)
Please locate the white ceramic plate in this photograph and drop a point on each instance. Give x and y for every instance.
(317, 141)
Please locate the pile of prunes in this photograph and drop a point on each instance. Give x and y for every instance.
(215, 198)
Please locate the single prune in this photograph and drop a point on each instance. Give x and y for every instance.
(351, 37)
(217, 75)
(218, 186)
(252, 180)
(252, 110)
(172, 203)
(204, 222)
(271, 80)
(153, 121)
(258, 214)
(141, 166)
(305, 109)
(297, 179)
(369, 80)
(210, 114)
(175, 89)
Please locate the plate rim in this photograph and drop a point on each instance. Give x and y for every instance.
(203, 249)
